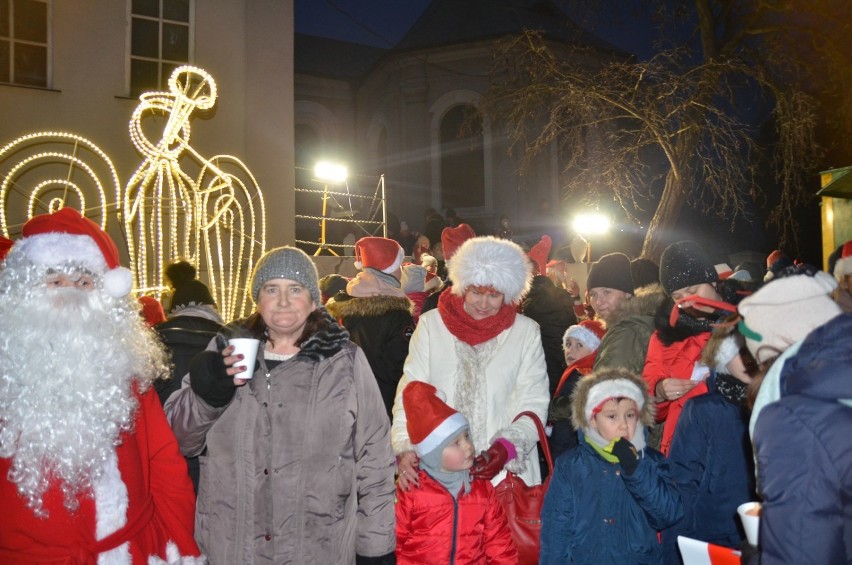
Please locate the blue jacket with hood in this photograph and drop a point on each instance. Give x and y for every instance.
(804, 454)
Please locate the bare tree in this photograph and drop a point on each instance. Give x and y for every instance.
(697, 107)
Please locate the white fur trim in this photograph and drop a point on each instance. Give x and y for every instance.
(173, 557)
(583, 335)
(111, 511)
(442, 431)
(727, 350)
(118, 282)
(59, 248)
(400, 256)
(843, 267)
(488, 261)
(613, 388)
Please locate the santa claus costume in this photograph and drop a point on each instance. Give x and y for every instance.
(90, 470)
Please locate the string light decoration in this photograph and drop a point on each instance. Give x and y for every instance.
(45, 171)
(216, 221)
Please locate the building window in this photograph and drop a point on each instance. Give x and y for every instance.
(23, 42)
(462, 159)
(160, 39)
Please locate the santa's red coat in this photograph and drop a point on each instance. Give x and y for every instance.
(160, 504)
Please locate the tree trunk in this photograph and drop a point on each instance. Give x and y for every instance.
(665, 217)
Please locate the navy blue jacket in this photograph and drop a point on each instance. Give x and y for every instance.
(711, 464)
(594, 513)
(804, 454)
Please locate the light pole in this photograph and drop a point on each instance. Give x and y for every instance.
(327, 173)
(590, 224)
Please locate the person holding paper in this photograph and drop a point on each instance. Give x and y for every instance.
(296, 462)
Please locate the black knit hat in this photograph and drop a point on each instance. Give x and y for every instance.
(644, 272)
(191, 293)
(611, 271)
(685, 264)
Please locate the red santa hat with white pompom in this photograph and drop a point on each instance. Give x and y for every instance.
(378, 253)
(66, 236)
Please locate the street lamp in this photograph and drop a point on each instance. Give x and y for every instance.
(327, 172)
(587, 225)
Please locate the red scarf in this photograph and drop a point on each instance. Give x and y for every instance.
(465, 328)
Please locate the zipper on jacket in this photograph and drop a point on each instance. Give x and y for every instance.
(268, 381)
(455, 529)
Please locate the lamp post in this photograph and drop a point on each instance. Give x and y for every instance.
(590, 224)
(327, 173)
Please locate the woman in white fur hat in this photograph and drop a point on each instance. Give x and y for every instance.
(486, 357)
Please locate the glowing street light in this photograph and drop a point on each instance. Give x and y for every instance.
(333, 173)
(587, 225)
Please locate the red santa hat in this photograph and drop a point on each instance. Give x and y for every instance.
(67, 236)
(558, 268)
(5, 246)
(429, 420)
(489, 261)
(587, 332)
(539, 252)
(843, 266)
(452, 239)
(378, 253)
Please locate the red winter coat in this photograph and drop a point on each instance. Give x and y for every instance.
(674, 361)
(425, 526)
(160, 504)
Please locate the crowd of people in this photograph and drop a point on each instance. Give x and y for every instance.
(380, 416)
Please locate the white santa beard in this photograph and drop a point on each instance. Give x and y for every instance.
(67, 362)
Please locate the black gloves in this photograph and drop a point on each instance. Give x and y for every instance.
(489, 463)
(208, 379)
(627, 455)
(389, 559)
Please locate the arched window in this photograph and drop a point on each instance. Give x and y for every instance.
(462, 159)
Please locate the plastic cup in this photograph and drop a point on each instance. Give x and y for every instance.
(248, 348)
(750, 515)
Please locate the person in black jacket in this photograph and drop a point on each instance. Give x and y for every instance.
(193, 321)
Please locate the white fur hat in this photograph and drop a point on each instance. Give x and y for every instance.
(489, 261)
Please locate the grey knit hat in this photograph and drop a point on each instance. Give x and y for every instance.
(685, 264)
(286, 263)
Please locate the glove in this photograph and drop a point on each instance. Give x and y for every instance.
(208, 379)
(389, 559)
(489, 463)
(748, 553)
(627, 455)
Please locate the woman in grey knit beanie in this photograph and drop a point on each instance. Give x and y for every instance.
(310, 421)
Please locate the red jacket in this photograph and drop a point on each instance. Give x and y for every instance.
(160, 504)
(427, 518)
(674, 361)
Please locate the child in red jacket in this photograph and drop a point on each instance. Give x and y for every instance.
(447, 518)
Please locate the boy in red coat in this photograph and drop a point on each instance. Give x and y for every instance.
(449, 518)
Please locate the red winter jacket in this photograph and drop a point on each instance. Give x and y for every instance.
(427, 517)
(674, 361)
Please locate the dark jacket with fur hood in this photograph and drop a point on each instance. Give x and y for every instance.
(629, 330)
(382, 326)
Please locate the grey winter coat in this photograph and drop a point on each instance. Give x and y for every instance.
(296, 471)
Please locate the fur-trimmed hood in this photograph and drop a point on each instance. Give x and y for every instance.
(644, 303)
(584, 388)
(342, 306)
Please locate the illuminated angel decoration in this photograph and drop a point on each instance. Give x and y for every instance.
(216, 220)
(45, 171)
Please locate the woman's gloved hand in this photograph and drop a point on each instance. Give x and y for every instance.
(209, 379)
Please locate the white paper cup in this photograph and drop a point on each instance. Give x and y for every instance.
(751, 521)
(248, 348)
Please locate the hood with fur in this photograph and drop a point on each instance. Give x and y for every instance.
(644, 303)
(585, 385)
(342, 306)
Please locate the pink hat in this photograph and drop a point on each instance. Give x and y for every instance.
(539, 252)
(428, 418)
(587, 332)
(452, 238)
(378, 253)
(65, 236)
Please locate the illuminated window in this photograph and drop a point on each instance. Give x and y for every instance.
(160, 40)
(24, 42)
